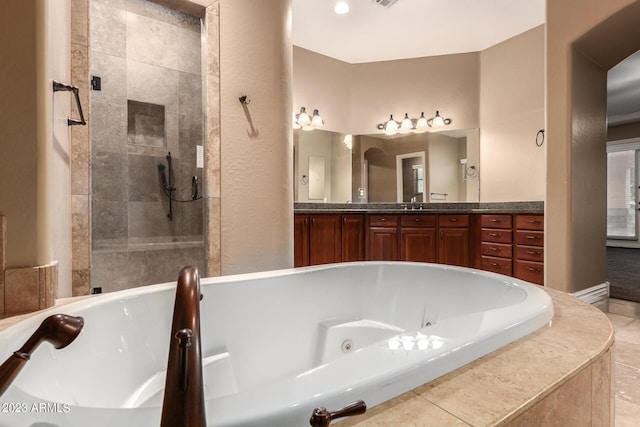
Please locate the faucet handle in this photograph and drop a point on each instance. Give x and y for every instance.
(321, 417)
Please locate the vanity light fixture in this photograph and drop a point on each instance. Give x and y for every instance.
(437, 121)
(303, 121)
(421, 124)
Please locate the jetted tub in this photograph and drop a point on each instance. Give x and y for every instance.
(274, 345)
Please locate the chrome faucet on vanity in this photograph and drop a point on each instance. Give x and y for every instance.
(183, 403)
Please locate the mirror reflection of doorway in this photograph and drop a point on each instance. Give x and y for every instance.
(623, 247)
(410, 177)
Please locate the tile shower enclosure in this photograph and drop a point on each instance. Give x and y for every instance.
(148, 59)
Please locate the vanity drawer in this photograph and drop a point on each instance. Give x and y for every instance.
(530, 238)
(496, 221)
(418, 220)
(453, 220)
(530, 222)
(530, 253)
(383, 220)
(497, 265)
(497, 236)
(530, 271)
(496, 250)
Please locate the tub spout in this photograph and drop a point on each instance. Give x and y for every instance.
(321, 417)
(58, 329)
(183, 403)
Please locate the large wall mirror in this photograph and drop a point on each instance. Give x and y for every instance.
(422, 167)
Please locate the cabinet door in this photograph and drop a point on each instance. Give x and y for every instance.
(324, 239)
(382, 244)
(352, 238)
(418, 244)
(300, 240)
(453, 246)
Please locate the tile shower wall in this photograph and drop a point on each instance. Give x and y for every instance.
(149, 60)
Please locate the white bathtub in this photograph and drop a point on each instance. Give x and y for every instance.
(275, 345)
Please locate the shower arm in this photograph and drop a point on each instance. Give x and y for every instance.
(62, 87)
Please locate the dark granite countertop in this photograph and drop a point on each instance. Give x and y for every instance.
(534, 207)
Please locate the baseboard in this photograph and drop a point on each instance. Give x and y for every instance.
(594, 294)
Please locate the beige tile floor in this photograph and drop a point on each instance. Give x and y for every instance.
(625, 317)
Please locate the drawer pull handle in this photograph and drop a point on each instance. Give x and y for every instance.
(418, 220)
(534, 252)
(495, 220)
(453, 219)
(494, 249)
(495, 234)
(383, 219)
(495, 264)
(537, 270)
(534, 221)
(533, 237)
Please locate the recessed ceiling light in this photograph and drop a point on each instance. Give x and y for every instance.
(341, 8)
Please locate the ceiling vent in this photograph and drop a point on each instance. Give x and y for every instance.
(385, 3)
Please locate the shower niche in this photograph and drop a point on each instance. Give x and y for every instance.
(148, 111)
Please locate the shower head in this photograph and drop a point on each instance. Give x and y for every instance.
(59, 329)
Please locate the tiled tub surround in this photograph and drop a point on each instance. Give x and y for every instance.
(151, 103)
(560, 375)
(25, 289)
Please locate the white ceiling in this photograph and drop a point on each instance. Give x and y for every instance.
(410, 28)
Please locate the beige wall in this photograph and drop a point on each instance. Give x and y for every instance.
(448, 83)
(34, 166)
(256, 158)
(18, 133)
(581, 45)
(500, 90)
(511, 114)
(323, 83)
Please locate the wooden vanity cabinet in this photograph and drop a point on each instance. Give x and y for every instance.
(300, 240)
(382, 238)
(328, 238)
(454, 242)
(510, 244)
(496, 248)
(352, 237)
(418, 238)
(529, 253)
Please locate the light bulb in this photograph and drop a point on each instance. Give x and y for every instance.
(406, 124)
(316, 120)
(391, 127)
(303, 118)
(341, 8)
(348, 141)
(421, 124)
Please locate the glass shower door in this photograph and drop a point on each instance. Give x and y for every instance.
(622, 186)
